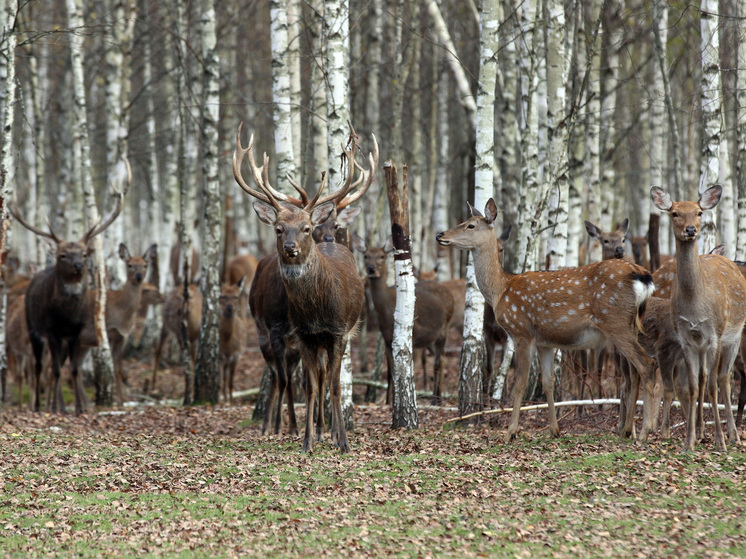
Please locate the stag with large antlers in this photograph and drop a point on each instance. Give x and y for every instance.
(577, 308)
(324, 291)
(57, 304)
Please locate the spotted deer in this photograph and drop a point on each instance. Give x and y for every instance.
(324, 291)
(708, 312)
(575, 308)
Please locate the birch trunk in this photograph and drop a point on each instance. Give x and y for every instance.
(319, 131)
(472, 350)
(207, 372)
(281, 99)
(658, 132)
(466, 97)
(8, 11)
(593, 131)
(441, 191)
(711, 115)
(104, 367)
(576, 153)
(741, 131)
(117, 93)
(610, 79)
(405, 398)
(557, 164)
(294, 66)
(337, 34)
(726, 208)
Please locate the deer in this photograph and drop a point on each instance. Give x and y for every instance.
(232, 334)
(708, 311)
(324, 291)
(612, 243)
(173, 308)
(241, 266)
(121, 310)
(57, 304)
(575, 308)
(433, 311)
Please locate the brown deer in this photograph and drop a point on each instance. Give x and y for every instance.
(121, 310)
(432, 313)
(707, 306)
(232, 334)
(612, 243)
(241, 266)
(640, 251)
(57, 304)
(172, 325)
(325, 293)
(576, 308)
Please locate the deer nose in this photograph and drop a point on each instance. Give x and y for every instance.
(619, 252)
(438, 236)
(290, 248)
(691, 230)
(328, 239)
(229, 310)
(78, 266)
(138, 277)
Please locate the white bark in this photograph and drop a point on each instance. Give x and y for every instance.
(337, 34)
(726, 208)
(441, 206)
(81, 152)
(608, 129)
(294, 65)
(741, 131)
(557, 164)
(319, 131)
(711, 115)
(658, 130)
(281, 99)
(593, 132)
(466, 97)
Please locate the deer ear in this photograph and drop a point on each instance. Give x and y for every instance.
(490, 211)
(347, 216)
(473, 211)
(593, 231)
(624, 226)
(266, 213)
(321, 213)
(151, 252)
(661, 199)
(240, 283)
(358, 243)
(719, 250)
(710, 197)
(124, 253)
(506, 233)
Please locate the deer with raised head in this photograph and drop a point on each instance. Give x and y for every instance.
(576, 308)
(324, 291)
(121, 309)
(612, 243)
(269, 307)
(57, 304)
(432, 313)
(232, 334)
(707, 306)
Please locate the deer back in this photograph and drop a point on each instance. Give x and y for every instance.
(172, 311)
(242, 266)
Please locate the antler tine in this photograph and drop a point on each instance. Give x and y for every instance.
(315, 202)
(238, 156)
(49, 235)
(100, 226)
(366, 177)
(348, 185)
(300, 190)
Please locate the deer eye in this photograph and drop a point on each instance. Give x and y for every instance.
(674, 214)
(306, 229)
(699, 213)
(470, 226)
(278, 230)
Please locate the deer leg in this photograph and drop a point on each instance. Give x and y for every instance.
(158, 351)
(37, 346)
(741, 396)
(728, 354)
(689, 384)
(58, 403)
(117, 351)
(712, 390)
(668, 372)
(438, 350)
(390, 375)
(231, 377)
(338, 424)
(291, 363)
(310, 365)
(321, 368)
(546, 359)
(522, 364)
(651, 398)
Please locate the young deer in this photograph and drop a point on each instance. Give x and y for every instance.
(707, 306)
(612, 244)
(57, 305)
(232, 334)
(325, 293)
(121, 310)
(577, 308)
(432, 312)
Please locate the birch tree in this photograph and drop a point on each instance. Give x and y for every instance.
(281, 100)
(741, 131)
(8, 11)
(81, 153)
(337, 34)
(607, 127)
(206, 374)
(472, 351)
(593, 137)
(658, 133)
(711, 114)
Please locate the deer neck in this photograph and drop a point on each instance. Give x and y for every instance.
(292, 271)
(689, 277)
(489, 273)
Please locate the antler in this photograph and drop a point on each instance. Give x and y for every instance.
(49, 235)
(260, 175)
(100, 226)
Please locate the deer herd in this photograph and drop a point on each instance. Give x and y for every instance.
(673, 332)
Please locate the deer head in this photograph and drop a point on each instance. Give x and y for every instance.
(686, 217)
(612, 243)
(231, 298)
(137, 266)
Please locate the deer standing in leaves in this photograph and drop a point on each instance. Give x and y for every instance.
(576, 308)
(708, 313)
(232, 334)
(57, 305)
(325, 293)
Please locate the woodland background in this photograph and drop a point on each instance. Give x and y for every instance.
(562, 111)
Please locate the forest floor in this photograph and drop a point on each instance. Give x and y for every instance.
(198, 481)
